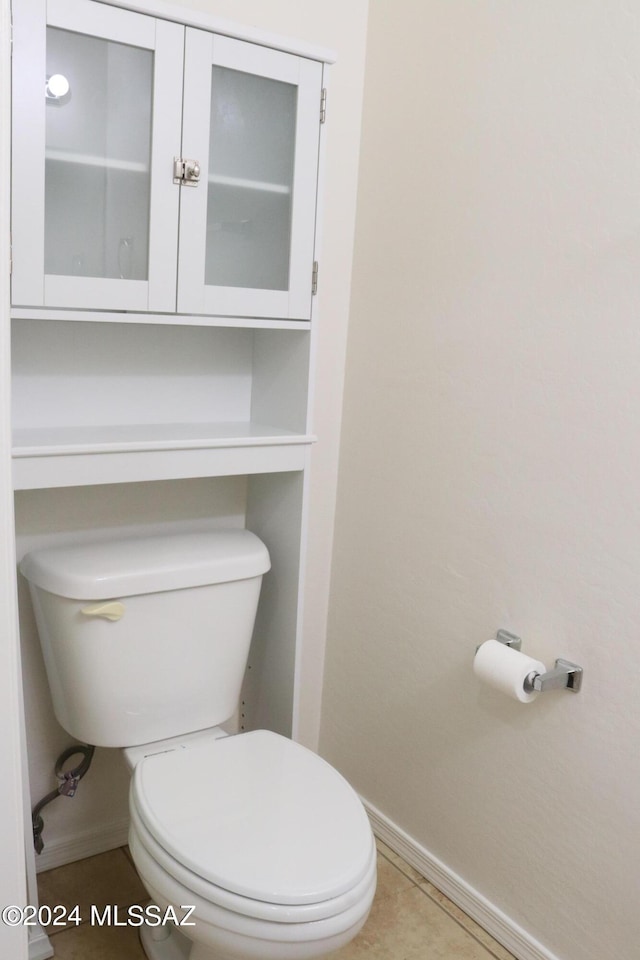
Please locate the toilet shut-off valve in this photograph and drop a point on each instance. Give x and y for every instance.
(67, 786)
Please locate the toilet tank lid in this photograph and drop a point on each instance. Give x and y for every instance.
(105, 569)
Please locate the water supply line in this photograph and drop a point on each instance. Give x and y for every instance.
(69, 780)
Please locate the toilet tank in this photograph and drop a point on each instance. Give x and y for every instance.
(148, 637)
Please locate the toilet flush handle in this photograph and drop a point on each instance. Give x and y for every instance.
(111, 610)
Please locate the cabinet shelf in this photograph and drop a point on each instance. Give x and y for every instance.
(244, 184)
(163, 319)
(90, 160)
(78, 455)
(61, 441)
(135, 166)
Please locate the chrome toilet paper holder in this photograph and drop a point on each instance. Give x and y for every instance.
(564, 676)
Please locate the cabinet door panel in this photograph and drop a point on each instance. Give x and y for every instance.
(96, 142)
(97, 158)
(251, 120)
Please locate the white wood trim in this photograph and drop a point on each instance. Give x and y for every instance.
(164, 198)
(88, 844)
(303, 210)
(13, 797)
(27, 174)
(171, 319)
(259, 61)
(39, 944)
(316, 300)
(500, 926)
(37, 473)
(298, 665)
(99, 20)
(245, 301)
(275, 507)
(229, 28)
(195, 145)
(304, 730)
(61, 291)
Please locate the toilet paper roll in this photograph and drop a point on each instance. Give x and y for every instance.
(506, 669)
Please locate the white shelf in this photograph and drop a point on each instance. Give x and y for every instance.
(89, 160)
(74, 456)
(62, 441)
(135, 166)
(243, 184)
(169, 319)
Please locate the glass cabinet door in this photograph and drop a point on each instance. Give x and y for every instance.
(97, 157)
(251, 123)
(250, 181)
(104, 72)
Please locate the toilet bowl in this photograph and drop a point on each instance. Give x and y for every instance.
(266, 841)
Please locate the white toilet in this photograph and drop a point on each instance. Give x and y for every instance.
(145, 642)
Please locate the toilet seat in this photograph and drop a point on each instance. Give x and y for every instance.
(229, 932)
(150, 857)
(256, 823)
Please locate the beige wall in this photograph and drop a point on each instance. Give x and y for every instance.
(490, 454)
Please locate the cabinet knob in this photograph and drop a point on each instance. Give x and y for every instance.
(186, 172)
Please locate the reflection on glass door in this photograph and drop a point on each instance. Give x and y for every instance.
(98, 148)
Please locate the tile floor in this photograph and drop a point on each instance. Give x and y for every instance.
(410, 919)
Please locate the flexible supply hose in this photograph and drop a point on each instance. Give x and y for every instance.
(69, 780)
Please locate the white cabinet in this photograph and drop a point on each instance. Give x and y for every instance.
(164, 223)
(164, 333)
(110, 105)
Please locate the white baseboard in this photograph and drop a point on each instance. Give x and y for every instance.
(39, 944)
(68, 849)
(512, 937)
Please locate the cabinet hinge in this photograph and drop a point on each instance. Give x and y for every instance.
(323, 105)
(314, 278)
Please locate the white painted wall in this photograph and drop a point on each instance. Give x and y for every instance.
(98, 813)
(490, 454)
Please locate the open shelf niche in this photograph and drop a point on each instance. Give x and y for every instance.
(120, 402)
